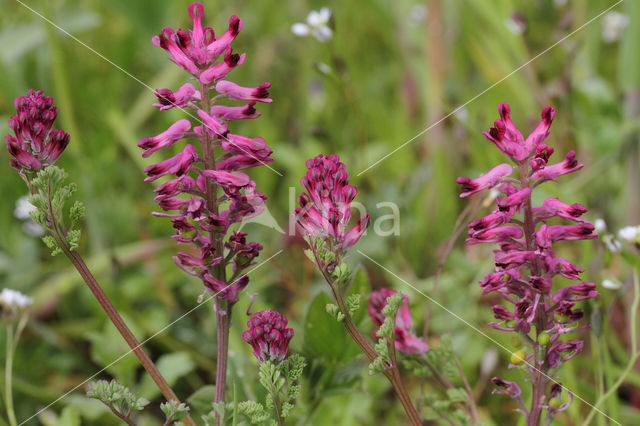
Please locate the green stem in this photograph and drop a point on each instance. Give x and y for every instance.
(222, 307)
(635, 351)
(74, 257)
(393, 374)
(8, 373)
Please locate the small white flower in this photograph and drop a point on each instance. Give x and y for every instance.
(599, 226)
(629, 233)
(323, 68)
(461, 114)
(14, 299)
(33, 229)
(613, 24)
(516, 24)
(418, 13)
(23, 208)
(612, 244)
(611, 285)
(317, 25)
(489, 361)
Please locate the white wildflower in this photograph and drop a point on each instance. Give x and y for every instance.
(418, 13)
(611, 285)
(12, 299)
(316, 26)
(23, 208)
(516, 24)
(612, 244)
(613, 24)
(599, 226)
(629, 233)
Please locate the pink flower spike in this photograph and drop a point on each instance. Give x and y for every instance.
(514, 200)
(240, 93)
(242, 144)
(167, 41)
(506, 136)
(542, 131)
(569, 165)
(179, 164)
(196, 12)
(494, 219)
(213, 126)
(227, 178)
(222, 43)
(356, 232)
(167, 138)
(494, 235)
(179, 99)
(553, 207)
(488, 180)
(228, 113)
(268, 335)
(547, 234)
(220, 71)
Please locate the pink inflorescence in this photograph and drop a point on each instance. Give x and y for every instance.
(34, 145)
(268, 335)
(325, 209)
(405, 339)
(200, 214)
(525, 263)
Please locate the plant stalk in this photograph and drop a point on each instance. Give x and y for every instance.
(540, 381)
(119, 323)
(222, 307)
(8, 377)
(393, 374)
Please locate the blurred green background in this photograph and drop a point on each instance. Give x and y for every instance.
(391, 70)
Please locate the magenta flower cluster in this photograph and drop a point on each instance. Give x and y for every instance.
(268, 335)
(200, 214)
(405, 339)
(325, 209)
(525, 263)
(34, 144)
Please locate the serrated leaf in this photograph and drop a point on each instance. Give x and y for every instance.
(360, 285)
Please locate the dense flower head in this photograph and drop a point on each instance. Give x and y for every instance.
(325, 207)
(525, 263)
(12, 303)
(34, 144)
(205, 189)
(268, 335)
(405, 339)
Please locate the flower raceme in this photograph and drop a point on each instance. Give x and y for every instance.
(34, 144)
(525, 262)
(201, 215)
(268, 335)
(325, 209)
(405, 339)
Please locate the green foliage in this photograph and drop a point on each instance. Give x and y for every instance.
(386, 334)
(117, 397)
(280, 380)
(334, 311)
(174, 410)
(387, 82)
(49, 198)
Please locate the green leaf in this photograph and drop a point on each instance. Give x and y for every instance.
(172, 366)
(457, 395)
(202, 399)
(323, 336)
(69, 417)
